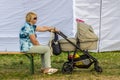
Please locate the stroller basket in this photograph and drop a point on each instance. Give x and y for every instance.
(67, 46)
(85, 38)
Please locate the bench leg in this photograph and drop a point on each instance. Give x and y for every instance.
(31, 58)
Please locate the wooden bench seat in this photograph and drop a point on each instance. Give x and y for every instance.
(30, 56)
(11, 52)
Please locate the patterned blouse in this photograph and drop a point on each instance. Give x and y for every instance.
(25, 32)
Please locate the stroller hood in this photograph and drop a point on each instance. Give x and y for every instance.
(85, 32)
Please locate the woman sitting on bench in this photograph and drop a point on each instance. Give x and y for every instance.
(30, 44)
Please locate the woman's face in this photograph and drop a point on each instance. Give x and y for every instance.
(33, 19)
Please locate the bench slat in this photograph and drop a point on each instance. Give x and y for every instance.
(8, 52)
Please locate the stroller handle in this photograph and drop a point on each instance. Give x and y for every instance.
(61, 34)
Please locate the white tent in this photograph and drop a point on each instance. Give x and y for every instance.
(103, 15)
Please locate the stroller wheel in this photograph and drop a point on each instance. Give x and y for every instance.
(98, 69)
(67, 67)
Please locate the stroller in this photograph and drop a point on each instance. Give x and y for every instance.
(75, 45)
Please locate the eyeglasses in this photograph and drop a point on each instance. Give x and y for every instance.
(35, 18)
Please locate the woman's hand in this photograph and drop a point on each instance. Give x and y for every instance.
(53, 29)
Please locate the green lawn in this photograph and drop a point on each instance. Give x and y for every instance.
(16, 67)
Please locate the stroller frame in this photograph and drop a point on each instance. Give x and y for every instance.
(69, 65)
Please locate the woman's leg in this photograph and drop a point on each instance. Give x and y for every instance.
(45, 58)
(45, 54)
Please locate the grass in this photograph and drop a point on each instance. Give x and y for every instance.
(16, 67)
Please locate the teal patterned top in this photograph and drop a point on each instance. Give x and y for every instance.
(25, 32)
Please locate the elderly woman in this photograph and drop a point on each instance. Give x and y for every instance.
(30, 44)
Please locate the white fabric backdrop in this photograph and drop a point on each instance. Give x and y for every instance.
(58, 13)
(110, 25)
(104, 16)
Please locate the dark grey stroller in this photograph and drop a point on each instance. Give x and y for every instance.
(75, 44)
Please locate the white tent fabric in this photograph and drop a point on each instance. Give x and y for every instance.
(110, 26)
(58, 13)
(103, 15)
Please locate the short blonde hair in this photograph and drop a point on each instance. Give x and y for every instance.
(29, 16)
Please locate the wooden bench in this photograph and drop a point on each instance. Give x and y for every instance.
(29, 56)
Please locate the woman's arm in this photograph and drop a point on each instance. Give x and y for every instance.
(44, 28)
(33, 39)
